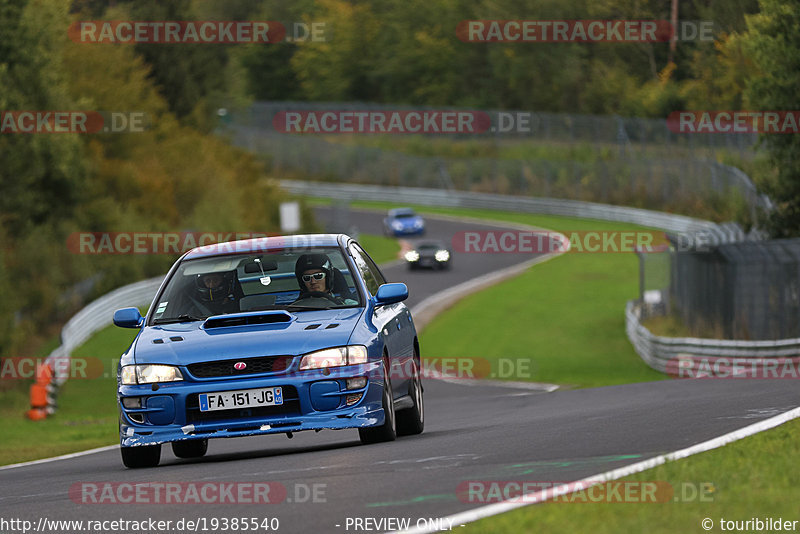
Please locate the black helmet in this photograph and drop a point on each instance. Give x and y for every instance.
(218, 292)
(314, 261)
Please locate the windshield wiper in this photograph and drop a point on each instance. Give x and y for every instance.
(297, 307)
(184, 318)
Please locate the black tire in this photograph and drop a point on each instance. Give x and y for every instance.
(411, 421)
(385, 432)
(144, 456)
(193, 448)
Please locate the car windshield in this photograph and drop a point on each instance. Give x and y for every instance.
(235, 283)
(430, 246)
(404, 214)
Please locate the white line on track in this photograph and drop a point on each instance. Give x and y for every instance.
(544, 495)
(62, 457)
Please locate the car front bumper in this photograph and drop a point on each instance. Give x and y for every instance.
(409, 230)
(313, 400)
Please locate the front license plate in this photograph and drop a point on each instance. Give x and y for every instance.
(245, 398)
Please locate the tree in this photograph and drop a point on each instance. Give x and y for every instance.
(773, 43)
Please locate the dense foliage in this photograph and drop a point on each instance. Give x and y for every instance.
(172, 177)
(177, 176)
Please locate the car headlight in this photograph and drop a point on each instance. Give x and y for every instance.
(418, 223)
(442, 255)
(335, 357)
(397, 225)
(412, 255)
(149, 374)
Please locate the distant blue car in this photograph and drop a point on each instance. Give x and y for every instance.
(265, 336)
(403, 222)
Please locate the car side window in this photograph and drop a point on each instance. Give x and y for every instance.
(376, 272)
(369, 277)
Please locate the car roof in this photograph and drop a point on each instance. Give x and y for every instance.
(261, 244)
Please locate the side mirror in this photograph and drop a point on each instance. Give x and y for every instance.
(128, 318)
(391, 293)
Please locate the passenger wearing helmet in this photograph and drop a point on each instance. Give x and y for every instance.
(217, 292)
(315, 274)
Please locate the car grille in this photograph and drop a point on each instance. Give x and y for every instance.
(290, 407)
(254, 366)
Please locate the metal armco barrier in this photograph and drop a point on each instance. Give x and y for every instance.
(656, 351)
(660, 353)
(673, 355)
(95, 316)
(692, 230)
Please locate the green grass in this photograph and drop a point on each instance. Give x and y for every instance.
(668, 326)
(526, 149)
(381, 249)
(565, 317)
(87, 408)
(749, 478)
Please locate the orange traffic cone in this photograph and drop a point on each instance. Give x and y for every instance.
(40, 400)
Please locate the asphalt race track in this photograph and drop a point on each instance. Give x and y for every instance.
(472, 432)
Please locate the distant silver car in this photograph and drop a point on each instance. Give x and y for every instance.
(429, 254)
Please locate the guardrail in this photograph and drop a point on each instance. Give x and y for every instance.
(694, 229)
(656, 351)
(661, 353)
(92, 318)
(698, 358)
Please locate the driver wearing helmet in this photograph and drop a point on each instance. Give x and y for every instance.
(217, 292)
(314, 274)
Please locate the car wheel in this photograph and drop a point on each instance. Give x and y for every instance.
(144, 456)
(386, 431)
(194, 448)
(412, 420)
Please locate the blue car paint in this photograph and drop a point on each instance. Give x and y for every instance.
(317, 397)
(403, 226)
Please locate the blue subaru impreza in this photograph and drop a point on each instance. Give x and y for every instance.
(265, 336)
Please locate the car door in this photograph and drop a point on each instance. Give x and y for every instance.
(391, 319)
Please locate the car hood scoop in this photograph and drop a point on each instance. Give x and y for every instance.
(245, 319)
